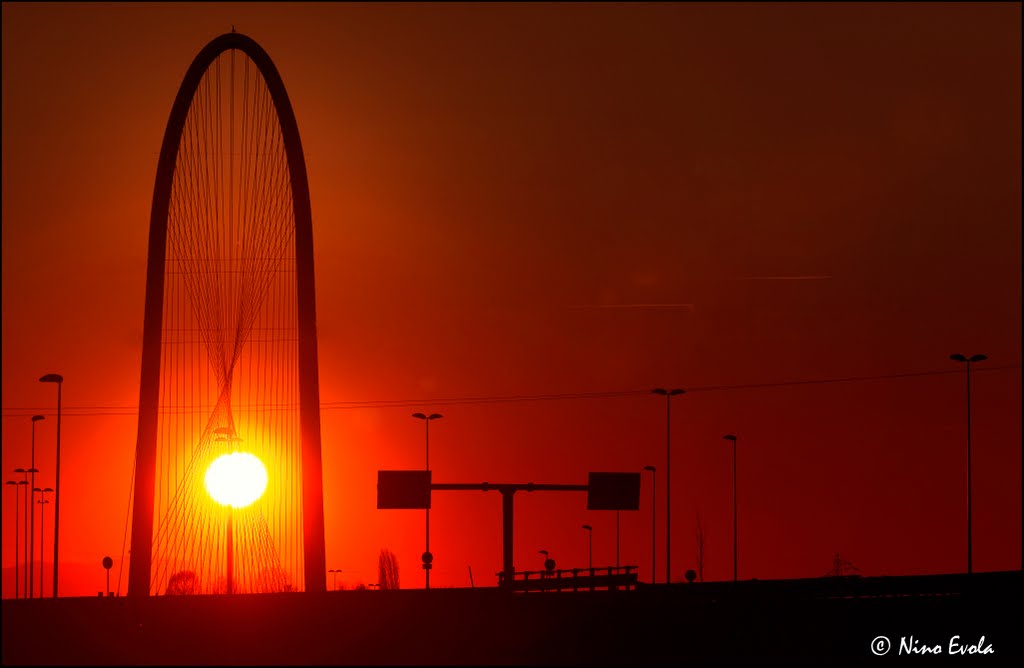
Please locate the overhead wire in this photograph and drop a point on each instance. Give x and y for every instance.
(518, 398)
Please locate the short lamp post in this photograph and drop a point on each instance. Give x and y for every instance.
(549, 564)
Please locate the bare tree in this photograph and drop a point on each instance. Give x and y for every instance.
(387, 569)
(840, 567)
(182, 583)
(272, 579)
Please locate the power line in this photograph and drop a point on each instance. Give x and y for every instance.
(88, 411)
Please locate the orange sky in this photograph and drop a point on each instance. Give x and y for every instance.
(497, 192)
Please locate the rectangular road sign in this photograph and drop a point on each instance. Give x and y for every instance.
(613, 491)
(403, 489)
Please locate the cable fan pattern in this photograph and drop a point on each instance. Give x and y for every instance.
(229, 347)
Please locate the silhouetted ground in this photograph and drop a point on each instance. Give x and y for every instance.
(782, 621)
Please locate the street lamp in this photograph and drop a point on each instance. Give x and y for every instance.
(428, 558)
(30, 517)
(24, 481)
(735, 549)
(42, 529)
(56, 378)
(108, 563)
(32, 522)
(335, 571)
(234, 480)
(17, 534)
(590, 534)
(654, 517)
(973, 358)
(668, 394)
(549, 564)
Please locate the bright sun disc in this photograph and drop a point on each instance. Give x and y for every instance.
(236, 480)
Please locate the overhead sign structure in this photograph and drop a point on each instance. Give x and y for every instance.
(407, 490)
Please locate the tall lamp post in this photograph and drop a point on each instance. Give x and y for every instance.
(17, 534)
(967, 361)
(335, 571)
(56, 378)
(32, 530)
(590, 535)
(42, 529)
(428, 558)
(735, 548)
(668, 394)
(654, 517)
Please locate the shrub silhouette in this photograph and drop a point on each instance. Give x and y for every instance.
(387, 569)
(183, 583)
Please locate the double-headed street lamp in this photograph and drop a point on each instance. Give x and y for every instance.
(967, 360)
(335, 571)
(42, 528)
(654, 516)
(668, 394)
(735, 548)
(32, 531)
(428, 558)
(590, 534)
(56, 378)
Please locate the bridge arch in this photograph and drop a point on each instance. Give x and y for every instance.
(201, 226)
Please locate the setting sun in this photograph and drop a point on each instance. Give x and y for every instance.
(236, 480)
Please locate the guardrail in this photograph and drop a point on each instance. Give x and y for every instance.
(610, 578)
